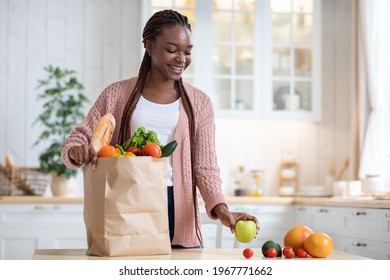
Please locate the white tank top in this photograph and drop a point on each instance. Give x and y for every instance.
(161, 118)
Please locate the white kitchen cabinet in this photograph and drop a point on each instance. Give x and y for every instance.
(328, 219)
(360, 231)
(362, 247)
(363, 223)
(26, 227)
(386, 233)
(386, 251)
(320, 218)
(303, 215)
(363, 232)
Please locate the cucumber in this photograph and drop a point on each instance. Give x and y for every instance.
(168, 149)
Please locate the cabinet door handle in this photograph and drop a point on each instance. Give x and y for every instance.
(301, 209)
(323, 210)
(42, 208)
(387, 215)
(359, 213)
(359, 244)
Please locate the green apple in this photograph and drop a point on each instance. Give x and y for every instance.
(245, 231)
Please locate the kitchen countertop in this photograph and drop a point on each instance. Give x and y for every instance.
(177, 254)
(361, 202)
(40, 199)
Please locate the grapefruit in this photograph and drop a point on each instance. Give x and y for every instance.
(296, 236)
(319, 245)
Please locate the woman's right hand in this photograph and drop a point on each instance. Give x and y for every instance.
(84, 154)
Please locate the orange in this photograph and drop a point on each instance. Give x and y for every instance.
(319, 245)
(296, 236)
(107, 151)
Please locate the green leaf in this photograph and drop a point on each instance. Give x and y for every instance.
(62, 110)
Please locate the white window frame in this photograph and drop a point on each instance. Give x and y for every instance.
(316, 112)
(262, 68)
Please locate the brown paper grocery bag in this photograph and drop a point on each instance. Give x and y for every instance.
(125, 207)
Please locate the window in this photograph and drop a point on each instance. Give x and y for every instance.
(233, 55)
(293, 48)
(254, 58)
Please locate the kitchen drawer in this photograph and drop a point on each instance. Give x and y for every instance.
(27, 227)
(362, 247)
(303, 215)
(40, 214)
(320, 218)
(363, 223)
(386, 249)
(327, 219)
(386, 225)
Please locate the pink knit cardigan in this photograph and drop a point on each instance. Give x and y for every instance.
(113, 100)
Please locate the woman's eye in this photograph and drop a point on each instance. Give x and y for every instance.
(171, 51)
(188, 53)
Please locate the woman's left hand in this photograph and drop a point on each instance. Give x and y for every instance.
(230, 219)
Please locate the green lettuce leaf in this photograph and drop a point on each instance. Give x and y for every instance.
(141, 137)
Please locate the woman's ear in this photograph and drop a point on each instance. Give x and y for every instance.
(148, 47)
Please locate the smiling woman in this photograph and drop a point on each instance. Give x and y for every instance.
(187, 117)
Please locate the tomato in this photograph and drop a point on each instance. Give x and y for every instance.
(288, 252)
(248, 253)
(136, 151)
(272, 253)
(301, 253)
(152, 150)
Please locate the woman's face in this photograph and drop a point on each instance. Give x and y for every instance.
(171, 52)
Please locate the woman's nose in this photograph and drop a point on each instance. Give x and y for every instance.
(180, 58)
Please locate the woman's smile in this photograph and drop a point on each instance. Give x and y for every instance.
(177, 69)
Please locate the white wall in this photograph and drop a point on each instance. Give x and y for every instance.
(101, 39)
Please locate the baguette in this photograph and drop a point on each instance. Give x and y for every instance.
(103, 132)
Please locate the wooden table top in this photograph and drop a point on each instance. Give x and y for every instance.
(177, 254)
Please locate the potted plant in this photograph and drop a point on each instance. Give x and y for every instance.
(63, 101)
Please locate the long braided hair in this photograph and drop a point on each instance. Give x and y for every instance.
(152, 30)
